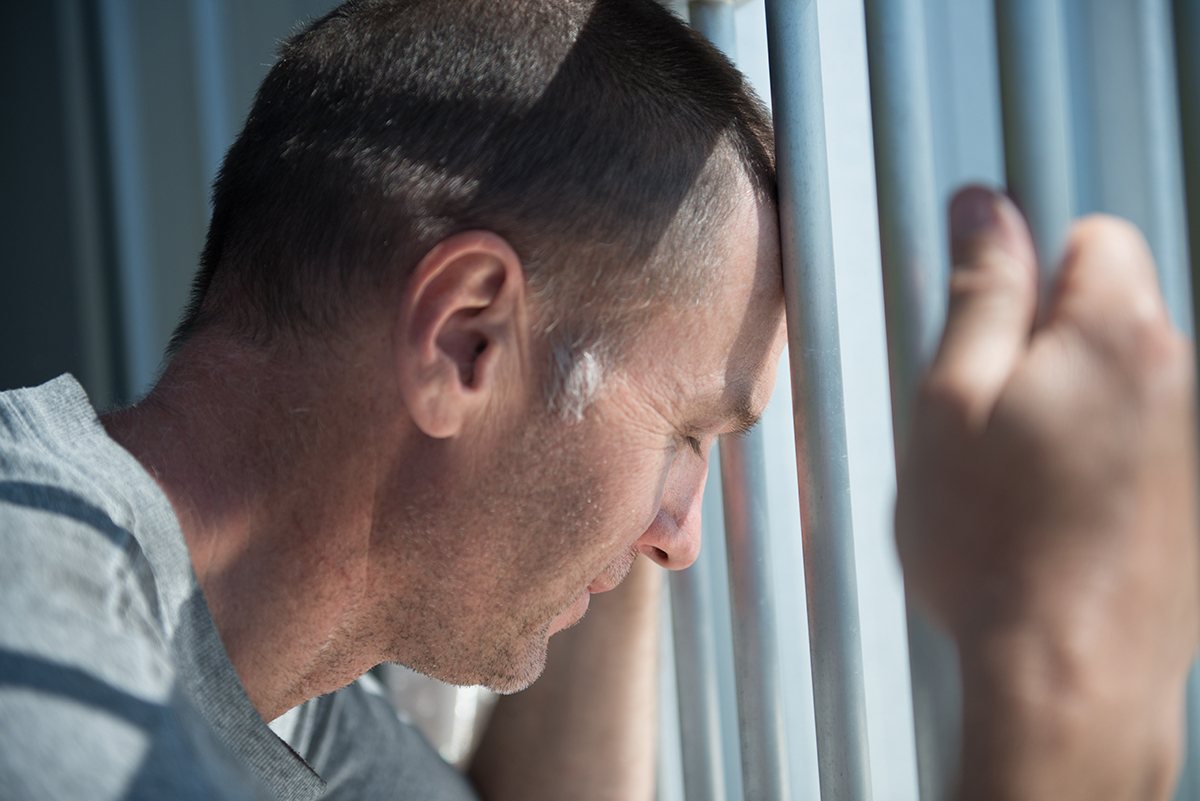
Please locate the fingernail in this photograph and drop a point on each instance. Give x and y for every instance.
(975, 212)
(972, 210)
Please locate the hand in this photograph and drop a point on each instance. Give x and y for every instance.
(1047, 511)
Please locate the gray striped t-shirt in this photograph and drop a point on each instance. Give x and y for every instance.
(114, 683)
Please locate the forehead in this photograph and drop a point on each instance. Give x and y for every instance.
(721, 354)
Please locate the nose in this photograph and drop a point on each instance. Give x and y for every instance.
(673, 539)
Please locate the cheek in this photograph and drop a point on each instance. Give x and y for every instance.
(634, 493)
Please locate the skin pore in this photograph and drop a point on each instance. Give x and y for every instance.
(399, 491)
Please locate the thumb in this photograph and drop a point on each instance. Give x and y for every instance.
(993, 299)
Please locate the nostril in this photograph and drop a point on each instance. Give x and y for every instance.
(660, 556)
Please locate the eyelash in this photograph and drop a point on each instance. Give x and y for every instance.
(694, 444)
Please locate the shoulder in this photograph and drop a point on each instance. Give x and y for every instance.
(89, 698)
(73, 582)
(70, 559)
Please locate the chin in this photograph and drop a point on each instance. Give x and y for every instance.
(508, 667)
(497, 656)
(522, 671)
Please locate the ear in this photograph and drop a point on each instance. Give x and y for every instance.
(462, 319)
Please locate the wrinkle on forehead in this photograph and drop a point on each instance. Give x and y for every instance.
(714, 366)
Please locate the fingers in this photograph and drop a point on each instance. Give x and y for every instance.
(993, 299)
(1107, 279)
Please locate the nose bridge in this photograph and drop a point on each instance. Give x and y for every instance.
(673, 539)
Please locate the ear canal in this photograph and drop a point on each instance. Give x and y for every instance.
(468, 367)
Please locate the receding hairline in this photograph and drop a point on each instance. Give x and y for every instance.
(741, 140)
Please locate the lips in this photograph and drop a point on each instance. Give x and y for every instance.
(613, 575)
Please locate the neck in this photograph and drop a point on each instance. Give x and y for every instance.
(275, 508)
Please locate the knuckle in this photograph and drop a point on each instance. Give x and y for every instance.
(992, 271)
(1154, 342)
(1158, 363)
(1165, 357)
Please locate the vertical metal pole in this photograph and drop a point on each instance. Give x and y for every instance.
(692, 603)
(910, 231)
(1035, 104)
(212, 61)
(753, 600)
(121, 85)
(914, 280)
(1188, 788)
(99, 367)
(669, 762)
(1187, 55)
(715, 19)
(1165, 224)
(696, 684)
(822, 462)
(752, 605)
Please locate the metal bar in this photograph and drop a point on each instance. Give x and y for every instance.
(914, 280)
(211, 59)
(121, 83)
(822, 462)
(669, 763)
(751, 597)
(1187, 55)
(1188, 788)
(910, 233)
(1034, 103)
(752, 606)
(84, 171)
(693, 607)
(715, 19)
(696, 684)
(1165, 224)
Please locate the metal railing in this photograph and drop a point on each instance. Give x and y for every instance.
(1043, 155)
(914, 278)
(810, 298)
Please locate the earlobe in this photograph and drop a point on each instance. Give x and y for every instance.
(461, 320)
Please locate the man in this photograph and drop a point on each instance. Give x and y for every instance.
(461, 338)
(482, 285)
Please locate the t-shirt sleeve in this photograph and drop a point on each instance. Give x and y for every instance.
(89, 703)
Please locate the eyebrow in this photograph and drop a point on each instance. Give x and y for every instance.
(733, 407)
(744, 420)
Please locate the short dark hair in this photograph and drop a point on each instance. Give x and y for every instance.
(581, 131)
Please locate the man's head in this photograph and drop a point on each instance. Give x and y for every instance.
(533, 243)
(597, 138)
